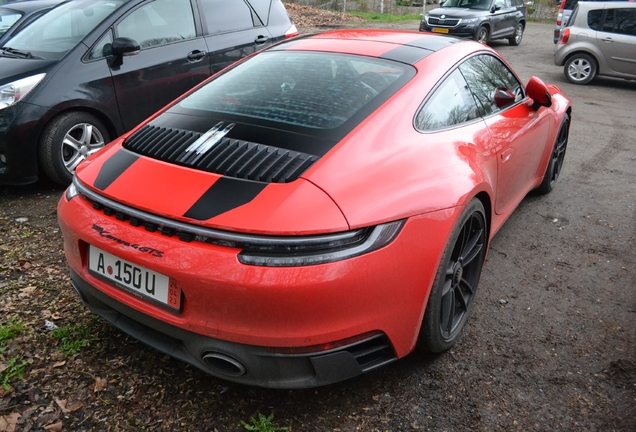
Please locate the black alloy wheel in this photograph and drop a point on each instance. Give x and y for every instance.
(555, 164)
(453, 292)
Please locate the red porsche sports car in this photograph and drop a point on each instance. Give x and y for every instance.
(315, 211)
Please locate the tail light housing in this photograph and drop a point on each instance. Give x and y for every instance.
(560, 15)
(565, 35)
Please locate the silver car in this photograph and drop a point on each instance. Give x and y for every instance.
(599, 39)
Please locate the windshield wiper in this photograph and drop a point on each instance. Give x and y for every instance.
(17, 53)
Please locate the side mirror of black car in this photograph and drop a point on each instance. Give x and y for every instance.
(503, 97)
(123, 47)
(538, 92)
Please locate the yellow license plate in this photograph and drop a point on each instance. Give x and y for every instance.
(440, 30)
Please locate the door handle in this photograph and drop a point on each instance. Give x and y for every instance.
(260, 40)
(196, 55)
(607, 39)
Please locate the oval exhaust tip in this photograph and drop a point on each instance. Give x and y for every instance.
(224, 364)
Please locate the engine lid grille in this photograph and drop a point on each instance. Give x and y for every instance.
(229, 157)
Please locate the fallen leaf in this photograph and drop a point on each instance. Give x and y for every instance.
(59, 364)
(62, 404)
(8, 422)
(74, 407)
(100, 384)
(55, 427)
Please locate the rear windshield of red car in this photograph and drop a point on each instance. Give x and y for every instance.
(305, 89)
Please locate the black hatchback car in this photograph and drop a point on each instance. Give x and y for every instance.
(90, 70)
(482, 20)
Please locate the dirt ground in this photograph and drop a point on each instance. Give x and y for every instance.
(550, 346)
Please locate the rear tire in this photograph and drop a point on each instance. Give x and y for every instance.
(455, 286)
(66, 141)
(580, 68)
(555, 164)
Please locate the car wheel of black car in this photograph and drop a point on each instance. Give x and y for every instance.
(516, 39)
(67, 141)
(553, 171)
(482, 35)
(455, 286)
(580, 68)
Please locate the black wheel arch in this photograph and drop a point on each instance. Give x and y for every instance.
(486, 201)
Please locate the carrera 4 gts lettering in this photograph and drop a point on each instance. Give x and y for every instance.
(145, 249)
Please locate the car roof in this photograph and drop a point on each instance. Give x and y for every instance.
(31, 5)
(606, 4)
(602, 4)
(406, 47)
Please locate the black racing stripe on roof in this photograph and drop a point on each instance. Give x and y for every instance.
(225, 194)
(434, 43)
(406, 54)
(114, 167)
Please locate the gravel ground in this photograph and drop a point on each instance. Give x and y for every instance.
(550, 345)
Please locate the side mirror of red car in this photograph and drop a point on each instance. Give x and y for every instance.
(503, 97)
(538, 92)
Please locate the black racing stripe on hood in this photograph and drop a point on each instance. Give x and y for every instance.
(225, 194)
(406, 54)
(114, 167)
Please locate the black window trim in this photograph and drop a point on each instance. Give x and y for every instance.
(480, 117)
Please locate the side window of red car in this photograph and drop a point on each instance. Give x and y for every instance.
(484, 74)
(158, 23)
(450, 104)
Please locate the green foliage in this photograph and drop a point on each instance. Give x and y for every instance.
(73, 338)
(374, 16)
(263, 424)
(10, 330)
(13, 370)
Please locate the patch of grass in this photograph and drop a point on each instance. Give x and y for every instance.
(13, 370)
(11, 329)
(263, 424)
(73, 338)
(374, 16)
